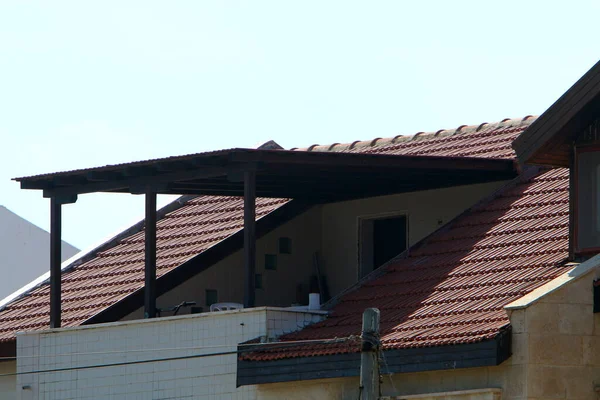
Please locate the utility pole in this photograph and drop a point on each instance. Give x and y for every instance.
(369, 357)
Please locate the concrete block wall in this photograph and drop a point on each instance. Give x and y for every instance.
(558, 338)
(469, 383)
(63, 352)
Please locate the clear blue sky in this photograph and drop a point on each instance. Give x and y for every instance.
(92, 83)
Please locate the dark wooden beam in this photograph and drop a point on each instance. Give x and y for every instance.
(102, 176)
(69, 180)
(36, 184)
(342, 189)
(125, 184)
(572, 202)
(349, 160)
(55, 261)
(150, 256)
(249, 237)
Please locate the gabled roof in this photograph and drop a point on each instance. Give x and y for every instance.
(110, 282)
(548, 140)
(452, 288)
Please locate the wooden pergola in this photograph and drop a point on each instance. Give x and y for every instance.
(316, 177)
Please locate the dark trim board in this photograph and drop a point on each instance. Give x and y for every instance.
(481, 354)
(311, 176)
(546, 141)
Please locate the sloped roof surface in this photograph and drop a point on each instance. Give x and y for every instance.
(115, 273)
(205, 221)
(484, 140)
(452, 289)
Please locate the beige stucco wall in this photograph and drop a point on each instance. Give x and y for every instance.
(426, 210)
(8, 384)
(509, 377)
(330, 229)
(559, 339)
(227, 276)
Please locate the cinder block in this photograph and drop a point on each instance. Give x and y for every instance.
(553, 382)
(553, 349)
(541, 318)
(591, 350)
(520, 349)
(518, 321)
(580, 291)
(575, 319)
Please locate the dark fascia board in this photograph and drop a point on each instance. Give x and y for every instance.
(132, 176)
(558, 123)
(480, 354)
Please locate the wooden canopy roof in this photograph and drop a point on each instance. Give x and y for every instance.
(317, 176)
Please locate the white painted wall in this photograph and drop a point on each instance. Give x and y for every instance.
(211, 377)
(24, 251)
(426, 210)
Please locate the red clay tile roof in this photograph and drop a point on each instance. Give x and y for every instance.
(453, 287)
(483, 140)
(117, 272)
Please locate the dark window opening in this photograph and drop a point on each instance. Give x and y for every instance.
(258, 282)
(212, 297)
(285, 245)
(270, 262)
(587, 206)
(381, 240)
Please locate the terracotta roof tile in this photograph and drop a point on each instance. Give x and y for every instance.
(460, 282)
(484, 140)
(452, 289)
(115, 273)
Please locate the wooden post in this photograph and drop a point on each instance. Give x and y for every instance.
(249, 237)
(55, 260)
(369, 357)
(150, 256)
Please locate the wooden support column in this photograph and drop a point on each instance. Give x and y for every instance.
(55, 260)
(249, 237)
(150, 256)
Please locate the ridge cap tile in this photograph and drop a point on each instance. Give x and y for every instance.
(419, 136)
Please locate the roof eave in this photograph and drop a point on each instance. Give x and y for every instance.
(546, 141)
(485, 353)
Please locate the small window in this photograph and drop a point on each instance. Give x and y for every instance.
(588, 200)
(212, 297)
(258, 283)
(381, 239)
(285, 245)
(270, 262)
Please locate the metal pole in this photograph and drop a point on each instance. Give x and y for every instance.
(150, 256)
(249, 237)
(55, 258)
(369, 362)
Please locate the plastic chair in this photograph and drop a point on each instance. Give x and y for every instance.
(226, 306)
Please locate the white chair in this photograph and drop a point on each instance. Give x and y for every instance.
(226, 306)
